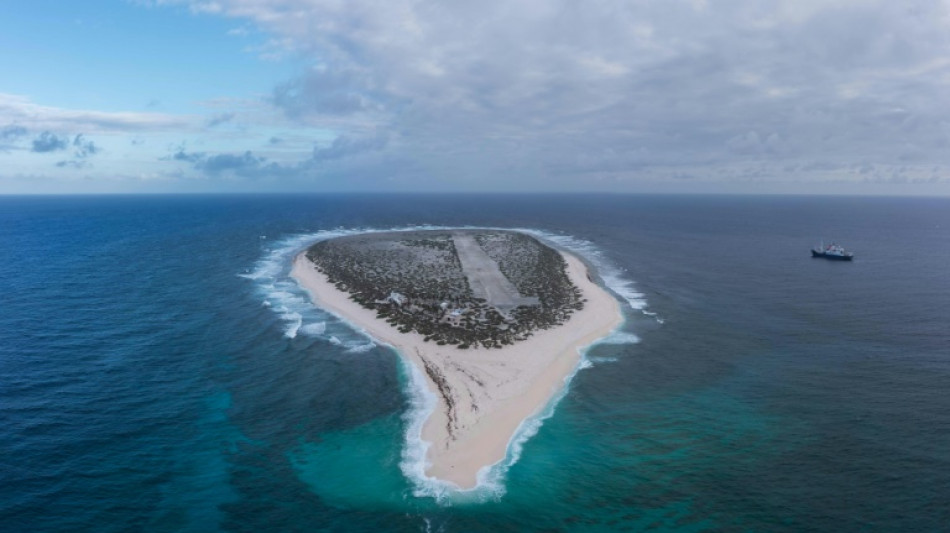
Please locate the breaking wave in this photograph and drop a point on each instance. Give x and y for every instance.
(619, 337)
(295, 321)
(291, 304)
(612, 275)
(315, 329)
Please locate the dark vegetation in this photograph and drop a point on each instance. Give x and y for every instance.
(535, 270)
(414, 281)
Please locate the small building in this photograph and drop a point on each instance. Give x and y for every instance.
(454, 317)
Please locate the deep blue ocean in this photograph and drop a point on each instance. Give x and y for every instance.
(160, 372)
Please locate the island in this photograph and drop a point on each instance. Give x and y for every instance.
(495, 321)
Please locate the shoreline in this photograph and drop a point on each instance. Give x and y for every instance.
(483, 395)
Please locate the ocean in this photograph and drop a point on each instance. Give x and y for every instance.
(160, 371)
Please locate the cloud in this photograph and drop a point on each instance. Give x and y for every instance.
(48, 142)
(345, 146)
(220, 118)
(324, 91)
(72, 164)
(189, 157)
(249, 165)
(21, 110)
(557, 94)
(535, 89)
(12, 132)
(10, 135)
(83, 147)
(245, 163)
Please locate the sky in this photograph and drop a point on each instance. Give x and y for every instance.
(670, 96)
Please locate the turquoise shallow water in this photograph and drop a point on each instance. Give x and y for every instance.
(161, 373)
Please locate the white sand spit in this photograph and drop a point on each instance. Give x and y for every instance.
(484, 394)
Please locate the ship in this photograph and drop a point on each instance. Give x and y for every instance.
(832, 251)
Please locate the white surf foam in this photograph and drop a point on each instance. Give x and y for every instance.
(359, 347)
(295, 320)
(612, 275)
(293, 305)
(314, 329)
(422, 402)
(271, 275)
(619, 337)
(275, 266)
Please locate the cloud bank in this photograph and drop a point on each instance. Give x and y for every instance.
(566, 95)
(561, 92)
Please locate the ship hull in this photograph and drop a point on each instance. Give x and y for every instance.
(832, 257)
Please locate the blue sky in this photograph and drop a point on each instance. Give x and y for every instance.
(117, 56)
(836, 96)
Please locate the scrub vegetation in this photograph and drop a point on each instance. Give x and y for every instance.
(416, 282)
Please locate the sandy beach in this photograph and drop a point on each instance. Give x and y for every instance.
(483, 394)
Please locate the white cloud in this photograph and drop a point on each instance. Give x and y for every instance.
(21, 110)
(561, 93)
(581, 87)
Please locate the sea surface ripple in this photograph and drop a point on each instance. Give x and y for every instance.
(160, 372)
